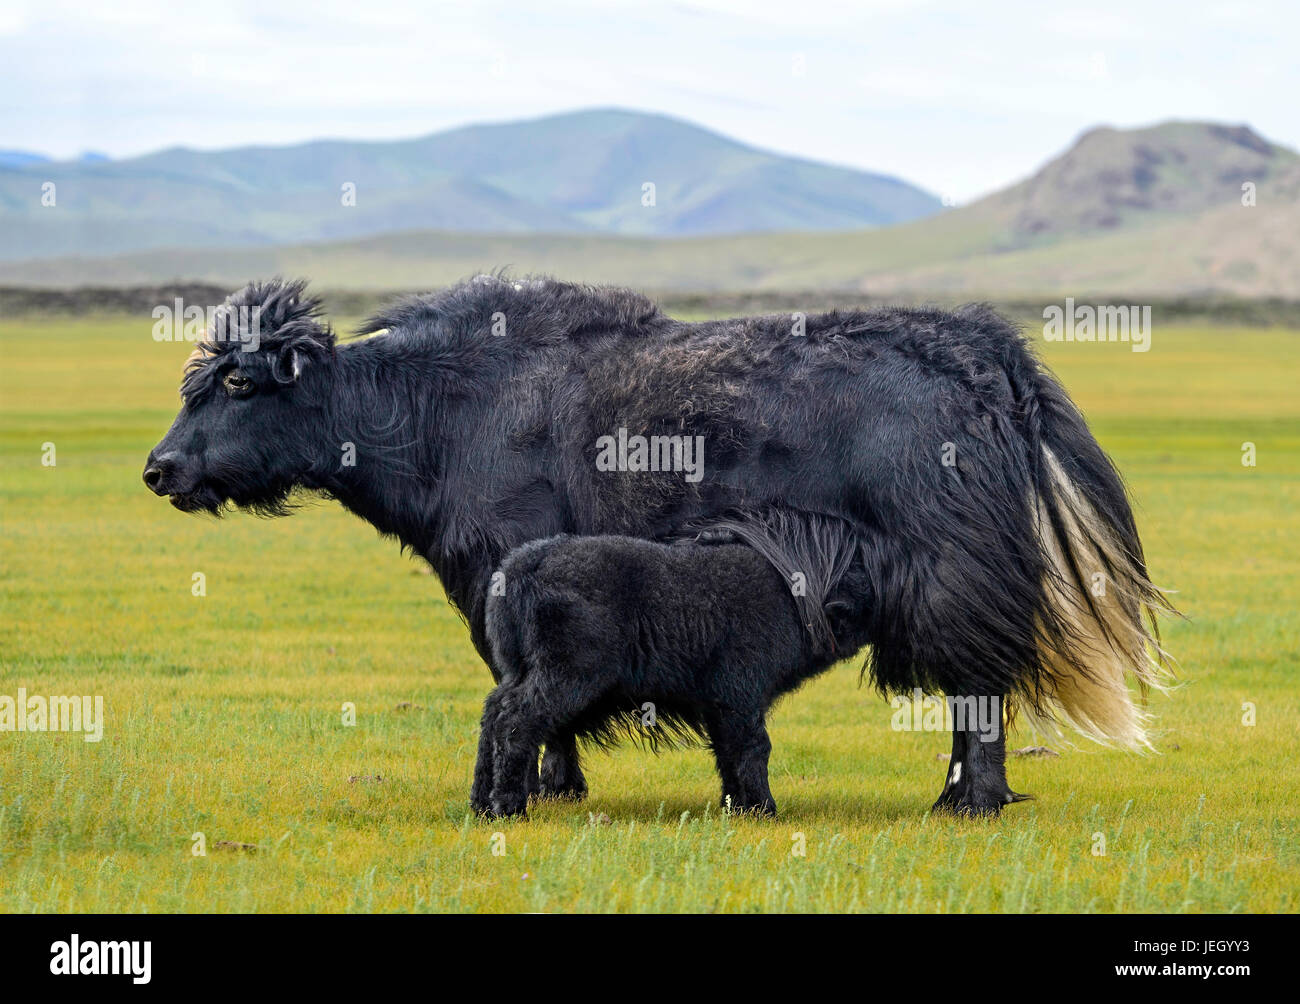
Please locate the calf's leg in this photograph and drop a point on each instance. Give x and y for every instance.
(723, 758)
(480, 796)
(742, 748)
(525, 714)
(561, 769)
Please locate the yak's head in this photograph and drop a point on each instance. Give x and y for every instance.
(255, 405)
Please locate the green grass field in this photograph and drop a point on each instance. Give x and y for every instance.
(224, 711)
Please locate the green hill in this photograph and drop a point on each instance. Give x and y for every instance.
(575, 173)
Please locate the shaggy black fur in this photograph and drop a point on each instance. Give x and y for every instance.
(591, 634)
(469, 443)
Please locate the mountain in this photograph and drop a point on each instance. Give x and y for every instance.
(21, 158)
(1111, 178)
(25, 158)
(577, 173)
(1154, 211)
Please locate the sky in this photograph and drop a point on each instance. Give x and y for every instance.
(960, 98)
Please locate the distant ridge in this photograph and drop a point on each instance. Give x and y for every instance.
(21, 158)
(1158, 211)
(603, 171)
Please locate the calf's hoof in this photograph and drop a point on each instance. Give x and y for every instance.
(765, 808)
(508, 808)
(562, 781)
(572, 793)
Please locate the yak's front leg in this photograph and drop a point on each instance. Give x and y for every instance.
(977, 773)
(561, 770)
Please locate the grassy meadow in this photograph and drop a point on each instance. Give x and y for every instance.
(224, 711)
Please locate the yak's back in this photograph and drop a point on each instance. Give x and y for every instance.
(972, 346)
(624, 332)
(528, 311)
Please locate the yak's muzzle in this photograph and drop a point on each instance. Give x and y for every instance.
(160, 474)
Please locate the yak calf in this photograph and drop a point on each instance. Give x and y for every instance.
(590, 633)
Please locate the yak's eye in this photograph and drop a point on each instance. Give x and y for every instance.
(236, 383)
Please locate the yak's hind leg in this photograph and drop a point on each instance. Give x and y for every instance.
(561, 769)
(742, 748)
(977, 773)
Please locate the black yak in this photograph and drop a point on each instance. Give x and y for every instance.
(1001, 556)
(590, 633)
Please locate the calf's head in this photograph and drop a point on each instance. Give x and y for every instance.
(255, 405)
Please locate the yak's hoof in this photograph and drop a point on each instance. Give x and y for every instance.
(976, 803)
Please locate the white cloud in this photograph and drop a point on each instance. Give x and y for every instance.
(13, 17)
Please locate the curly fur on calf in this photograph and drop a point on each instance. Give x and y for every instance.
(592, 633)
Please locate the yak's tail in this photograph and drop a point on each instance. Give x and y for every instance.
(1096, 622)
